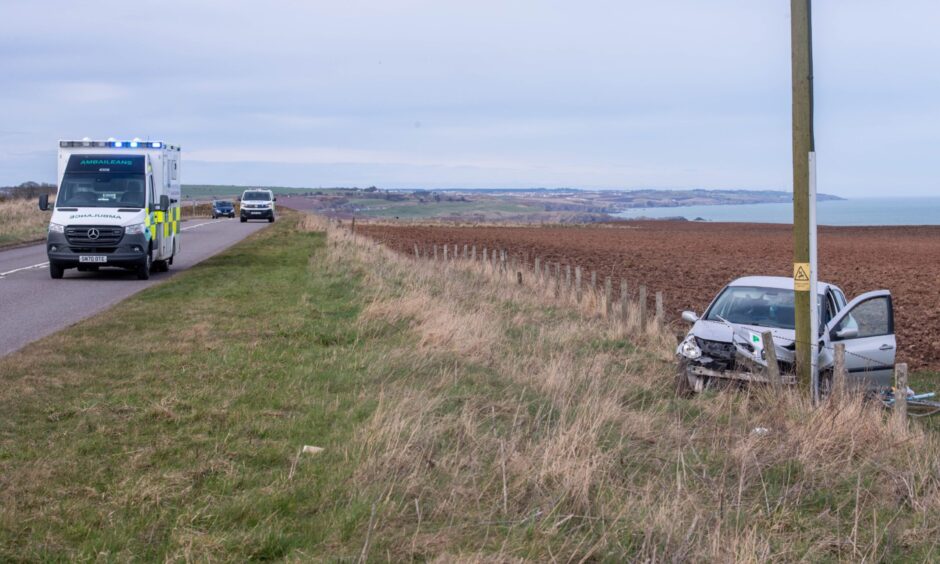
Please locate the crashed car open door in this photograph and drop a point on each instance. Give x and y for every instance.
(866, 327)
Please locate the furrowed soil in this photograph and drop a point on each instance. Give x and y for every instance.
(691, 262)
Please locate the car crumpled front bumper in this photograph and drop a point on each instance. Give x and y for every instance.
(739, 360)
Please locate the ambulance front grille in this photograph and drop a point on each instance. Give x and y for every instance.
(94, 235)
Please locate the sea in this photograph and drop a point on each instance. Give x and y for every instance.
(855, 211)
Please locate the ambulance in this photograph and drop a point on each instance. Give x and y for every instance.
(118, 205)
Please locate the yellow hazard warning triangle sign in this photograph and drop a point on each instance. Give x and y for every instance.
(801, 276)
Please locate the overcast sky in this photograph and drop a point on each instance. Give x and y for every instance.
(481, 93)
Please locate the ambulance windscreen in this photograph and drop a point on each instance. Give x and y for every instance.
(103, 181)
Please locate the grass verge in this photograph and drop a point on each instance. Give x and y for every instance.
(463, 417)
(22, 221)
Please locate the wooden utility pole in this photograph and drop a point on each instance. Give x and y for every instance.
(801, 43)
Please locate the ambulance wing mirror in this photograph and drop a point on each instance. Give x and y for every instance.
(44, 202)
(164, 202)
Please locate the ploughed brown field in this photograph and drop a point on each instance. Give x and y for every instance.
(691, 262)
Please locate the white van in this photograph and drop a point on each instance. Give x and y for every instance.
(257, 204)
(118, 205)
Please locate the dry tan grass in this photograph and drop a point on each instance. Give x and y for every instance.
(22, 221)
(544, 434)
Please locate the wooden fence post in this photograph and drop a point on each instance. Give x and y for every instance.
(538, 269)
(773, 369)
(659, 308)
(567, 279)
(465, 252)
(454, 256)
(577, 283)
(593, 280)
(839, 373)
(417, 254)
(519, 277)
(624, 296)
(642, 307)
(353, 226)
(473, 253)
(900, 392)
(446, 247)
(435, 252)
(557, 279)
(485, 260)
(608, 297)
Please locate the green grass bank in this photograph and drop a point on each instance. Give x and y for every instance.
(462, 417)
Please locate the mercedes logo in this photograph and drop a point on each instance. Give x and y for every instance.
(93, 233)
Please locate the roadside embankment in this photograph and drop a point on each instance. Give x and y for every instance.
(462, 416)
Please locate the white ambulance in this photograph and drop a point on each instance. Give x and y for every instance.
(118, 205)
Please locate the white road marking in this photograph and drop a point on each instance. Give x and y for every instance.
(201, 224)
(40, 265)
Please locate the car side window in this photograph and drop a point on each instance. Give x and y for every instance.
(840, 299)
(834, 307)
(871, 318)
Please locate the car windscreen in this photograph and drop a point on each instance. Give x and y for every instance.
(223, 204)
(751, 305)
(102, 190)
(264, 196)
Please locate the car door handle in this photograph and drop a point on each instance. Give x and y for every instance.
(885, 347)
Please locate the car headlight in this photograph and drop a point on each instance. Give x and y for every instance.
(690, 349)
(135, 229)
(56, 228)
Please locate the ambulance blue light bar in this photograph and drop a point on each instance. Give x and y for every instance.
(115, 144)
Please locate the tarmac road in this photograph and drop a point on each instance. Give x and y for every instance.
(33, 305)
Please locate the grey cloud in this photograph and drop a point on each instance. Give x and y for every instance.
(596, 93)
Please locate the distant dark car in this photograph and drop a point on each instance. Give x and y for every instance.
(222, 208)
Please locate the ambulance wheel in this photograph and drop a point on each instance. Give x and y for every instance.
(271, 219)
(159, 266)
(244, 220)
(56, 271)
(143, 269)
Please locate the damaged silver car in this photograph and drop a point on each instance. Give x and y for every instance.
(725, 344)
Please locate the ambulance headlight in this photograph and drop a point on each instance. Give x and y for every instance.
(690, 349)
(135, 229)
(56, 228)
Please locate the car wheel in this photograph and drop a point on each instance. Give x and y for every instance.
(56, 271)
(684, 388)
(244, 220)
(143, 269)
(271, 219)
